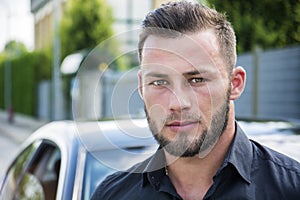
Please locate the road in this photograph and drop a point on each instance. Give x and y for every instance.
(9, 148)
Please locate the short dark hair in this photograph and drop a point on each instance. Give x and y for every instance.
(184, 17)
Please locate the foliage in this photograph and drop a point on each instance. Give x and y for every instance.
(267, 23)
(27, 70)
(84, 25)
(14, 48)
(2, 84)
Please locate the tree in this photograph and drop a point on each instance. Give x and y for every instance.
(84, 25)
(267, 23)
(14, 48)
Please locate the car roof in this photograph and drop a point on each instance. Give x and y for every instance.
(97, 135)
(130, 133)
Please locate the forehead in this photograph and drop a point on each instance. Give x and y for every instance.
(201, 40)
(195, 51)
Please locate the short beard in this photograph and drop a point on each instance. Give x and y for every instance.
(183, 147)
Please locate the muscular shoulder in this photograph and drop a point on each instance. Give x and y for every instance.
(273, 169)
(278, 160)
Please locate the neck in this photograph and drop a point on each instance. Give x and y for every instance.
(195, 173)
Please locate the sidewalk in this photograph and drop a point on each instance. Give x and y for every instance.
(21, 128)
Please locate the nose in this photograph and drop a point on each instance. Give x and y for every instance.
(180, 98)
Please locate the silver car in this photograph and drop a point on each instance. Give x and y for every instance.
(67, 160)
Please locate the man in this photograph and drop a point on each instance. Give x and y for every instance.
(188, 81)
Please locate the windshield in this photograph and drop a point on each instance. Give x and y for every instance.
(94, 173)
(100, 164)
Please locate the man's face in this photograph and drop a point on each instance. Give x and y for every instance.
(185, 87)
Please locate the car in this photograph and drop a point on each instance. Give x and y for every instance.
(68, 159)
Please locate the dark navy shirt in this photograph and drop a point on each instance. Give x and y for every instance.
(249, 171)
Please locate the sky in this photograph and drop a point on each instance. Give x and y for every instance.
(16, 23)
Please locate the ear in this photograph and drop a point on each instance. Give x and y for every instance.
(140, 83)
(238, 82)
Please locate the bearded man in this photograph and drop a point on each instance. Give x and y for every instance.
(189, 82)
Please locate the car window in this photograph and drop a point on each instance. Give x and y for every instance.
(29, 188)
(39, 179)
(100, 164)
(45, 168)
(94, 173)
(17, 171)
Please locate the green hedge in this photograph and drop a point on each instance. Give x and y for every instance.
(27, 71)
(2, 80)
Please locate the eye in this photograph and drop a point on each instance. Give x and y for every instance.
(159, 83)
(197, 80)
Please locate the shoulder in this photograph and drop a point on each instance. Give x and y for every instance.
(279, 168)
(267, 155)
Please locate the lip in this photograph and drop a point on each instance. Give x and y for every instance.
(177, 126)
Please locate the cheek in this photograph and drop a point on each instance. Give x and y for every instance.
(156, 96)
(218, 92)
(156, 111)
(210, 99)
(155, 105)
(204, 97)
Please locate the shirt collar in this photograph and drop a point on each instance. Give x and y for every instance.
(155, 169)
(155, 174)
(241, 155)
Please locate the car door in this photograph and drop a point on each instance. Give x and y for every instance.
(34, 173)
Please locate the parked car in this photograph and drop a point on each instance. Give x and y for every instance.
(67, 160)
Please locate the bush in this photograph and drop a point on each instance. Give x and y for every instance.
(27, 70)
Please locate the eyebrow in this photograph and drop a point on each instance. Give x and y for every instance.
(155, 74)
(161, 75)
(195, 72)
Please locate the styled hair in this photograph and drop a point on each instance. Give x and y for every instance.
(176, 18)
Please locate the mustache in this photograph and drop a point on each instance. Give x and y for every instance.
(183, 117)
